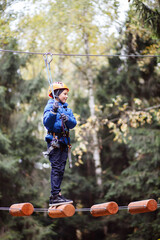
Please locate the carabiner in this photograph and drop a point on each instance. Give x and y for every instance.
(48, 57)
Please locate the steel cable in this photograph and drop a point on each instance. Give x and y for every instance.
(81, 55)
(76, 210)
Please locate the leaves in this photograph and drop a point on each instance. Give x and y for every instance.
(149, 16)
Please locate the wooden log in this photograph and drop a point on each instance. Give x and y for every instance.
(21, 209)
(61, 211)
(143, 206)
(104, 209)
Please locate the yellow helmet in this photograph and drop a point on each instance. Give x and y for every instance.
(56, 86)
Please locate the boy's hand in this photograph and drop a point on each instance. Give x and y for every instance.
(55, 106)
(64, 117)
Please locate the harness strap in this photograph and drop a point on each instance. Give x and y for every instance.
(54, 134)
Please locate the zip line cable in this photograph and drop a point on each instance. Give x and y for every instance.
(80, 55)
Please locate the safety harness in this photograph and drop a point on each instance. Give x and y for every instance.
(48, 57)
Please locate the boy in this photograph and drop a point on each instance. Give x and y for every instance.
(58, 119)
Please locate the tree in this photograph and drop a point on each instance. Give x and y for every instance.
(132, 116)
(149, 14)
(19, 142)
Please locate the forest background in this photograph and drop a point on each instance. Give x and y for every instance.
(115, 146)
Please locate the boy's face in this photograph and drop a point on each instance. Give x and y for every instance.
(63, 96)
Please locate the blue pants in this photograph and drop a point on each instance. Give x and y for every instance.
(57, 158)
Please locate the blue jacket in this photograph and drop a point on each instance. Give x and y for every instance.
(53, 122)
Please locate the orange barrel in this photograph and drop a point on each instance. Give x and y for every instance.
(104, 209)
(143, 206)
(21, 209)
(61, 211)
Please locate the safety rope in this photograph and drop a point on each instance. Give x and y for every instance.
(82, 55)
(47, 61)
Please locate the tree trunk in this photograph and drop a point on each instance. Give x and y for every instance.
(96, 151)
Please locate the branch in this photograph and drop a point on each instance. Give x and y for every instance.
(151, 18)
(153, 107)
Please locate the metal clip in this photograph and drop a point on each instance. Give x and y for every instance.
(48, 57)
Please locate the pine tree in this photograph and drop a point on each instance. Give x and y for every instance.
(20, 145)
(149, 14)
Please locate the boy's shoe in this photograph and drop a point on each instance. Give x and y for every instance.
(66, 200)
(56, 200)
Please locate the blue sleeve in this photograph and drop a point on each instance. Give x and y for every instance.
(49, 116)
(71, 122)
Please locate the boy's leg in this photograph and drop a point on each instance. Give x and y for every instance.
(63, 159)
(58, 161)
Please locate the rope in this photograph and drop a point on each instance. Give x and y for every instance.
(48, 68)
(5, 208)
(84, 209)
(81, 55)
(44, 210)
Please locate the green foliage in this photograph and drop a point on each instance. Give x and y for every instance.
(149, 16)
(4, 143)
(19, 118)
(131, 171)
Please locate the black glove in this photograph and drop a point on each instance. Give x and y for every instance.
(55, 106)
(64, 117)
